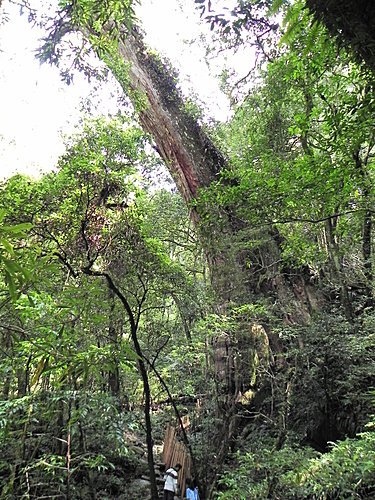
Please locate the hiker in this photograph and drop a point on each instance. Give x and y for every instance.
(170, 484)
(191, 490)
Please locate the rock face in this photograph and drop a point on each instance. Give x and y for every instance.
(139, 488)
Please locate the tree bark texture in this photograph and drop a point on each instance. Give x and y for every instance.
(192, 159)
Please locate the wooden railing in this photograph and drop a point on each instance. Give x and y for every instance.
(175, 452)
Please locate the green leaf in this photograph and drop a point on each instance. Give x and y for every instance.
(11, 285)
(8, 246)
(17, 228)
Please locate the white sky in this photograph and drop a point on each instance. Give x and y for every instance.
(36, 108)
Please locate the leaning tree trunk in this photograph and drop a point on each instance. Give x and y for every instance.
(192, 159)
(195, 163)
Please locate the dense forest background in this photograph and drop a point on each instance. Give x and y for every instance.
(237, 291)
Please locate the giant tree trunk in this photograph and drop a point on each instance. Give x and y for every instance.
(191, 157)
(195, 163)
(189, 154)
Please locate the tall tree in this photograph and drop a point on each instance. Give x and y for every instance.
(239, 271)
(299, 128)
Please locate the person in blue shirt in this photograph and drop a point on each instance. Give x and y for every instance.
(191, 490)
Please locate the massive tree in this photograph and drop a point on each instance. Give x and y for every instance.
(240, 271)
(245, 253)
(193, 160)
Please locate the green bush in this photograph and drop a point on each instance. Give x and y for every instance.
(258, 472)
(347, 471)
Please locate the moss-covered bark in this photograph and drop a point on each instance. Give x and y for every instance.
(192, 158)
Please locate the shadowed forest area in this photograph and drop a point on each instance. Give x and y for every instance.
(211, 280)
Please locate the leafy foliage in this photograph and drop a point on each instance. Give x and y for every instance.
(107, 306)
(346, 471)
(69, 364)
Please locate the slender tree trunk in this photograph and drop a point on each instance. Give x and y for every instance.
(83, 443)
(68, 451)
(367, 188)
(336, 266)
(60, 420)
(142, 371)
(146, 387)
(23, 378)
(367, 247)
(8, 377)
(182, 309)
(114, 373)
(149, 440)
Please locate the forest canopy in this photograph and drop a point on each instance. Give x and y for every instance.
(230, 304)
